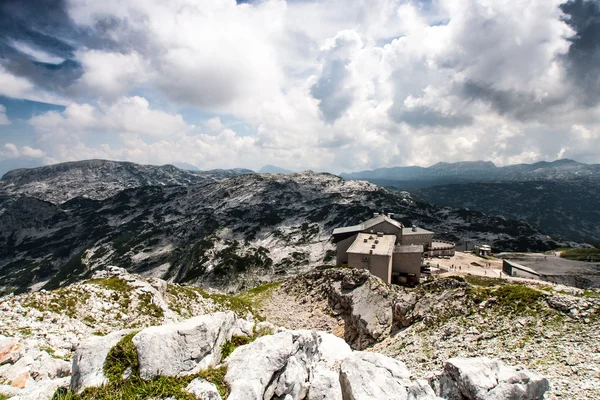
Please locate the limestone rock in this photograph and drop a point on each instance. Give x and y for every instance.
(203, 389)
(291, 365)
(89, 358)
(184, 348)
(366, 376)
(10, 350)
(43, 390)
(485, 379)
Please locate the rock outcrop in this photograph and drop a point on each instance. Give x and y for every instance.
(284, 365)
(184, 348)
(89, 360)
(486, 379)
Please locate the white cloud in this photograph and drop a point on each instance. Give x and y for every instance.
(112, 74)
(10, 151)
(333, 85)
(3, 118)
(36, 53)
(214, 124)
(128, 115)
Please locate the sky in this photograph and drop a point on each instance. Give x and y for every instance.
(327, 85)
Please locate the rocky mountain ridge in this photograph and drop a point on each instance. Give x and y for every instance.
(232, 233)
(100, 179)
(220, 353)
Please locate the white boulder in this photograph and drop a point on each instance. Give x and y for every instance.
(292, 365)
(42, 390)
(203, 389)
(10, 350)
(485, 379)
(366, 376)
(89, 359)
(184, 348)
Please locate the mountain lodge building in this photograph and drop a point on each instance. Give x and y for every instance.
(387, 249)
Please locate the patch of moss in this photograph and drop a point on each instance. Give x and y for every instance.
(147, 307)
(112, 283)
(120, 358)
(135, 388)
(229, 346)
(518, 297)
(61, 301)
(484, 281)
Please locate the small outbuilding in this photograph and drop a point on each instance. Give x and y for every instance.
(511, 268)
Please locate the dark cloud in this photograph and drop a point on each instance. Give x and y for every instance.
(335, 99)
(43, 25)
(420, 117)
(583, 58)
(520, 105)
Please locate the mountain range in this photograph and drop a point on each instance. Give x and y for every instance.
(60, 223)
(559, 198)
(479, 171)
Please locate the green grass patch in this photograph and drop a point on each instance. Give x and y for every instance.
(137, 389)
(581, 254)
(112, 283)
(590, 294)
(229, 346)
(259, 294)
(65, 301)
(484, 281)
(147, 307)
(121, 357)
(518, 298)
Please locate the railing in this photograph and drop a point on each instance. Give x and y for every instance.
(451, 244)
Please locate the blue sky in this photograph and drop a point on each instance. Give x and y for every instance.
(327, 85)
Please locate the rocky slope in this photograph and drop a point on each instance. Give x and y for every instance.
(550, 329)
(228, 354)
(100, 179)
(232, 233)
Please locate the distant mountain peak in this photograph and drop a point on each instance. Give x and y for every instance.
(273, 169)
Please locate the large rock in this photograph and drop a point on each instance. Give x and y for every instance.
(368, 305)
(485, 379)
(292, 365)
(43, 390)
(203, 389)
(10, 350)
(89, 359)
(365, 376)
(184, 348)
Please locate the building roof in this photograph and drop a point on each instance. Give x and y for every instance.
(384, 244)
(521, 267)
(367, 224)
(409, 248)
(419, 231)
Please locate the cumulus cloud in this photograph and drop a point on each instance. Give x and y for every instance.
(128, 115)
(332, 85)
(111, 75)
(3, 118)
(11, 151)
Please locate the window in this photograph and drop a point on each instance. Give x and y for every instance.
(366, 258)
